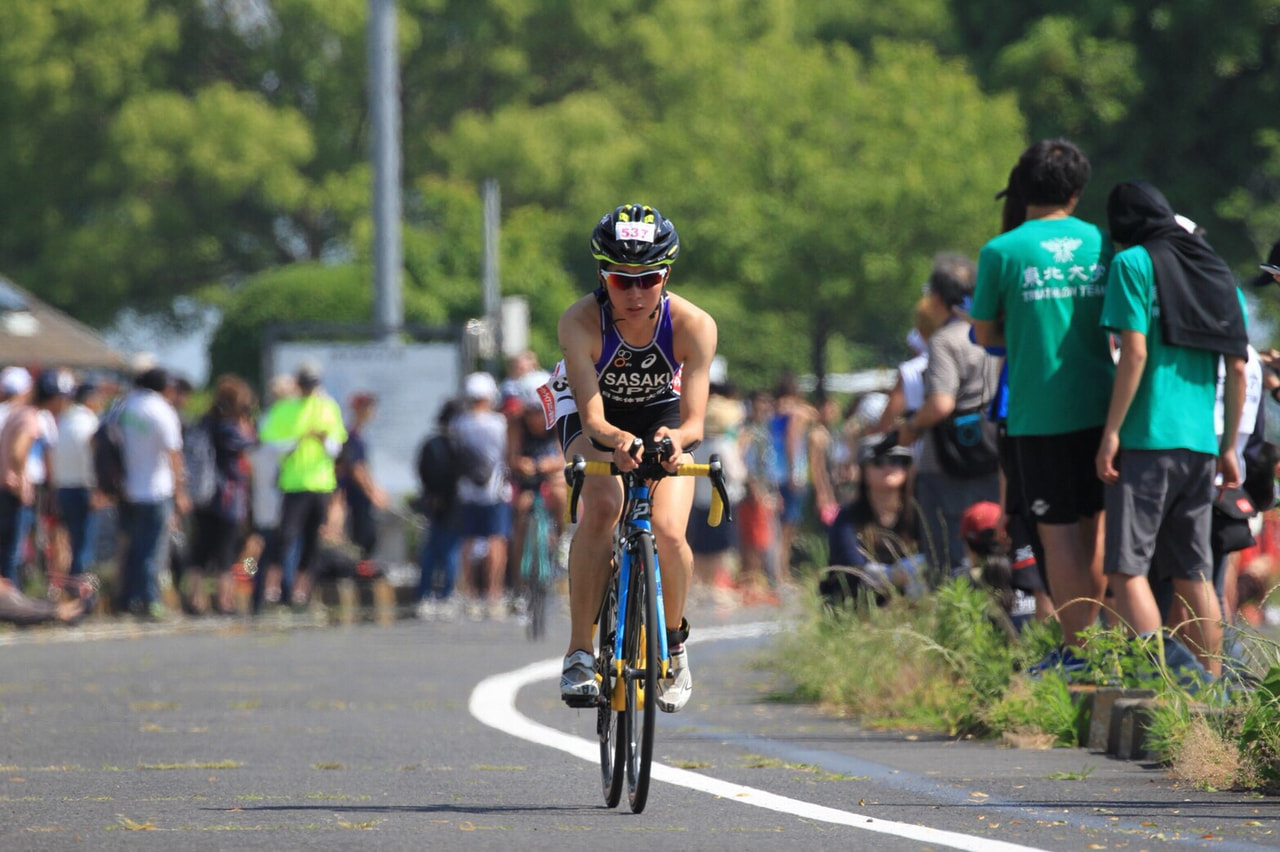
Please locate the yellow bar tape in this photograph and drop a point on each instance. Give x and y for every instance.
(604, 468)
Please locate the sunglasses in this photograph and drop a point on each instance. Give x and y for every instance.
(626, 280)
(891, 461)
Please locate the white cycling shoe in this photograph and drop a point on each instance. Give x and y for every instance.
(674, 692)
(578, 684)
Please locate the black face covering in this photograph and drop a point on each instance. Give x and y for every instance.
(1199, 307)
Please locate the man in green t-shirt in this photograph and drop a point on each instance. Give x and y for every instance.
(1176, 308)
(1039, 295)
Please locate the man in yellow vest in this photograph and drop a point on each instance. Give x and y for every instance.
(307, 430)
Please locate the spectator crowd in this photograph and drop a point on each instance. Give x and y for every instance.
(1080, 422)
(111, 501)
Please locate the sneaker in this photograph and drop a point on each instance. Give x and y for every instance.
(1179, 661)
(578, 685)
(1062, 660)
(674, 691)
(426, 609)
(446, 609)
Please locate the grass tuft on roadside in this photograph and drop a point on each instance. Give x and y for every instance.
(948, 663)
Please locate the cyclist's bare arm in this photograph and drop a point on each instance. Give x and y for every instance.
(694, 341)
(580, 342)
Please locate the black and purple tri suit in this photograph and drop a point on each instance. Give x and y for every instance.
(640, 386)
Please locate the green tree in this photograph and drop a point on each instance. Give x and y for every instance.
(66, 67)
(811, 183)
(814, 156)
(149, 148)
(1180, 92)
(443, 248)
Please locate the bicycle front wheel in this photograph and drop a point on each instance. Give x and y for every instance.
(607, 719)
(640, 668)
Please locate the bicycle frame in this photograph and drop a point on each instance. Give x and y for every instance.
(636, 521)
(637, 518)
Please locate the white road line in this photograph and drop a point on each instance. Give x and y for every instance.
(493, 702)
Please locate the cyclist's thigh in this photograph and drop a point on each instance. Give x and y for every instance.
(600, 504)
(672, 500)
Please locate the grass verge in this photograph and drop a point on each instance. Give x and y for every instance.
(946, 663)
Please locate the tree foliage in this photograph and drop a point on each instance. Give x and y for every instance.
(1180, 92)
(813, 155)
(810, 183)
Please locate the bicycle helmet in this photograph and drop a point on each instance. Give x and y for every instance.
(635, 235)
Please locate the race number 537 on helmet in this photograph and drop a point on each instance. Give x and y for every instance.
(635, 235)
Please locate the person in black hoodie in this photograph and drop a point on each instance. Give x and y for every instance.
(1175, 306)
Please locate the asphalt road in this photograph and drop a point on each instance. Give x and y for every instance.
(234, 736)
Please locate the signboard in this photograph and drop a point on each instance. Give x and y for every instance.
(411, 382)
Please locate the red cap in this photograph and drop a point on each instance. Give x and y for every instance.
(978, 519)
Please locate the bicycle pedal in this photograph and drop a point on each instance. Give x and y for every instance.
(582, 702)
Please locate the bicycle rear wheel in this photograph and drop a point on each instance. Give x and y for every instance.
(537, 613)
(537, 559)
(640, 668)
(607, 719)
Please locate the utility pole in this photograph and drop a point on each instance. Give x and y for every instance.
(384, 109)
(489, 275)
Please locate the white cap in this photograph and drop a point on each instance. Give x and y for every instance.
(141, 362)
(870, 408)
(527, 387)
(14, 380)
(480, 386)
(718, 372)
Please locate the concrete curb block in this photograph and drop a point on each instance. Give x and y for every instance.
(1118, 720)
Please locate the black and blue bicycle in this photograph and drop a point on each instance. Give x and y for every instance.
(631, 628)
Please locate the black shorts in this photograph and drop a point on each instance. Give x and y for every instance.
(642, 422)
(1026, 556)
(1056, 475)
(1009, 467)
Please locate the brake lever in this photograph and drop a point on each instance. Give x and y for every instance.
(717, 482)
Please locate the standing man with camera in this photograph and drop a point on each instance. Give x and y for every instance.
(958, 384)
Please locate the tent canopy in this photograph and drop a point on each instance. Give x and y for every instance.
(33, 334)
